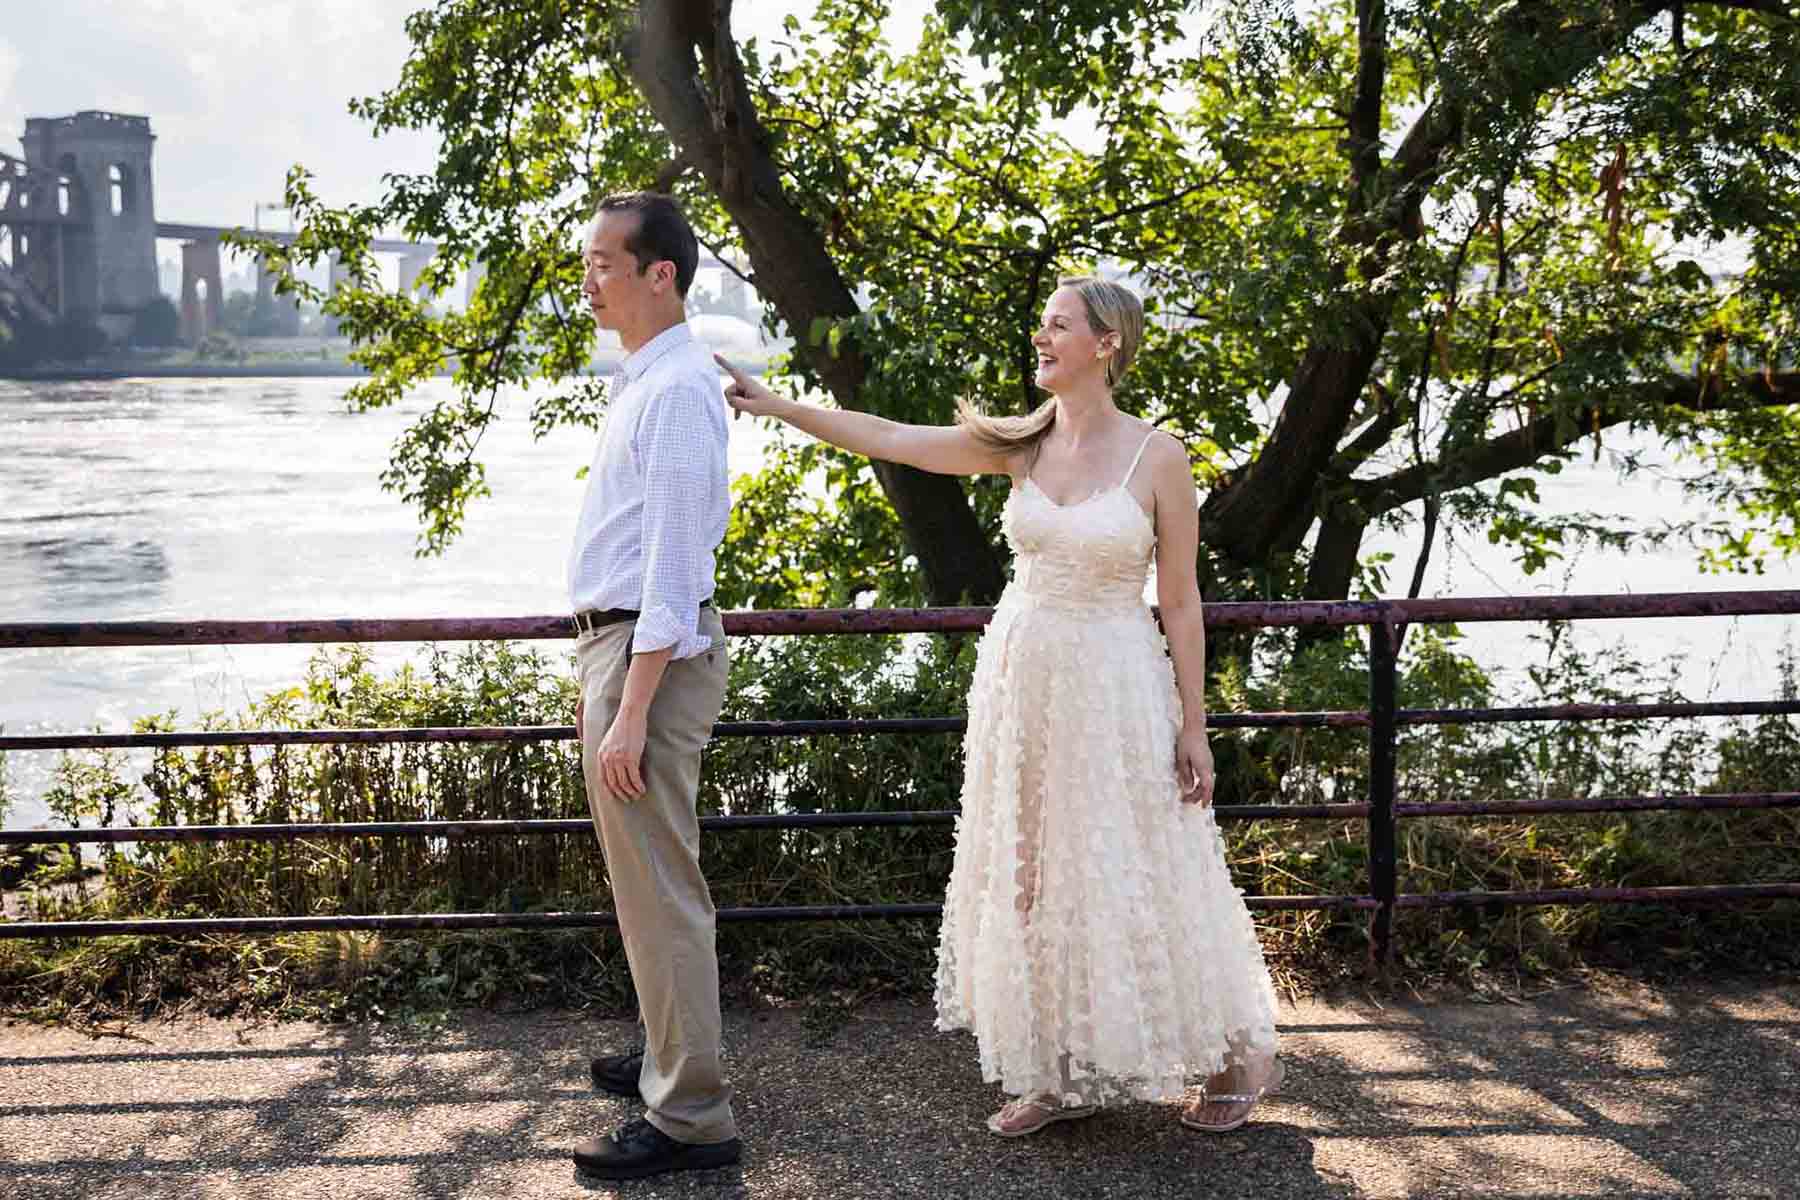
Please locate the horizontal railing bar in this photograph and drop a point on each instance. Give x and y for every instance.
(301, 830)
(1228, 615)
(576, 920)
(177, 739)
(865, 819)
(1708, 894)
(396, 921)
(459, 629)
(845, 912)
(180, 739)
(1347, 718)
(1597, 712)
(448, 733)
(1701, 802)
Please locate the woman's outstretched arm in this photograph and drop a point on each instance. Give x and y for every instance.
(941, 449)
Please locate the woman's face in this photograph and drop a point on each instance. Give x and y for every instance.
(1070, 353)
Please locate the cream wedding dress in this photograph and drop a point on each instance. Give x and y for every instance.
(1092, 939)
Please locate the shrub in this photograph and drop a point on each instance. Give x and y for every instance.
(157, 323)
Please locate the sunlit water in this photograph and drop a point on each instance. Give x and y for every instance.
(259, 499)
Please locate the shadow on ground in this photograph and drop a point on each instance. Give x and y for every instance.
(1570, 1094)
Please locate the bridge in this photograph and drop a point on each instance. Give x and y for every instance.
(78, 233)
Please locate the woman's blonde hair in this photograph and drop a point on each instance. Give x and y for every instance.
(1111, 308)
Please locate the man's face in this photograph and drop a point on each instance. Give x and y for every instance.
(618, 293)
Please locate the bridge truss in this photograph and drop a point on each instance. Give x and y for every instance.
(40, 210)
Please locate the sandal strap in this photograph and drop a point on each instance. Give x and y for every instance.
(1230, 1097)
(1048, 1103)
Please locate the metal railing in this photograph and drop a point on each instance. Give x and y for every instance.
(1386, 621)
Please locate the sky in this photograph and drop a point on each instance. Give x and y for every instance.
(237, 91)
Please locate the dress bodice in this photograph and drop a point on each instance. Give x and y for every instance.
(1093, 554)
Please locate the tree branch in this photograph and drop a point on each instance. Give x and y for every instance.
(672, 170)
(1245, 520)
(720, 134)
(1364, 142)
(1535, 439)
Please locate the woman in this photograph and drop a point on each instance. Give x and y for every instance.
(1092, 940)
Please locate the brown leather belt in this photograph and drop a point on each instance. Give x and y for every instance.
(589, 620)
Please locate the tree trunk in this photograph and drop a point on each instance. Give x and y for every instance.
(718, 132)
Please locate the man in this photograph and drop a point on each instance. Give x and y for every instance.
(652, 659)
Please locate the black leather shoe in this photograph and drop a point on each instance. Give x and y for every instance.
(638, 1148)
(618, 1073)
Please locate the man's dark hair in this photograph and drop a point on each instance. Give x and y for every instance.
(663, 233)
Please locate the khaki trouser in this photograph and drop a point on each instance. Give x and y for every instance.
(652, 848)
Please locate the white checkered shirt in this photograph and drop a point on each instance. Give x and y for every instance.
(658, 495)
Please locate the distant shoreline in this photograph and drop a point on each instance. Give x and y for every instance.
(108, 371)
(77, 372)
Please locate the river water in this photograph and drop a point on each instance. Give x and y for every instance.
(259, 499)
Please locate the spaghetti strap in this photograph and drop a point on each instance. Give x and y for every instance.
(1136, 458)
(1037, 448)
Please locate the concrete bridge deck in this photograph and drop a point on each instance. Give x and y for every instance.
(204, 233)
(1625, 1092)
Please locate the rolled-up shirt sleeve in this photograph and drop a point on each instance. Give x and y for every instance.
(683, 462)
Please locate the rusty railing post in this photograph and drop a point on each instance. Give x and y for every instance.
(1384, 702)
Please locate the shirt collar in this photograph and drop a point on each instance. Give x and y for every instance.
(641, 359)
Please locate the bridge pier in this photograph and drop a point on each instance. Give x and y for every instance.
(411, 267)
(477, 273)
(201, 314)
(275, 316)
(106, 199)
(338, 279)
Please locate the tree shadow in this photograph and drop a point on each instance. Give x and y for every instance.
(1626, 1092)
(1632, 1092)
(877, 1106)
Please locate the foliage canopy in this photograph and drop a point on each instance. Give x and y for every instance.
(1401, 256)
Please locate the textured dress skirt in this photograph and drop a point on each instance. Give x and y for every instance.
(1092, 939)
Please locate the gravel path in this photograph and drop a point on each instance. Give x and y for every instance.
(1634, 1092)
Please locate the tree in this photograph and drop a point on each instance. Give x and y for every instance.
(238, 313)
(156, 324)
(1401, 255)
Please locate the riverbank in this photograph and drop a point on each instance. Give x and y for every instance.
(122, 369)
(1602, 1090)
(329, 358)
(271, 369)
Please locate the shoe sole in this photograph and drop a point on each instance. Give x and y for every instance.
(1067, 1115)
(1237, 1124)
(1274, 1085)
(607, 1171)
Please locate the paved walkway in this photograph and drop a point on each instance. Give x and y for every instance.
(1686, 1092)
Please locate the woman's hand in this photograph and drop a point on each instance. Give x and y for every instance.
(1194, 767)
(747, 395)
